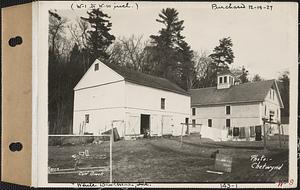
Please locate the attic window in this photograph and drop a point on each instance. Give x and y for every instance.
(96, 66)
(209, 122)
(221, 80)
(227, 110)
(87, 118)
(225, 79)
(162, 103)
(193, 111)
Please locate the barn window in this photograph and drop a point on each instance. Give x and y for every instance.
(193, 111)
(227, 122)
(162, 103)
(225, 79)
(96, 66)
(209, 122)
(228, 110)
(193, 123)
(221, 80)
(265, 109)
(87, 118)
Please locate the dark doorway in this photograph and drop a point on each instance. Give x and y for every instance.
(258, 133)
(187, 125)
(145, 125)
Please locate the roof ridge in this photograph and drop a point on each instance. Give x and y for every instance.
(203, 88)
(124, 67)
(146, 79)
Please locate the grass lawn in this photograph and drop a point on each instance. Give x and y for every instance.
(163, 160)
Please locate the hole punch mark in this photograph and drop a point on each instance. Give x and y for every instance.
(15, 146)
(15, 41)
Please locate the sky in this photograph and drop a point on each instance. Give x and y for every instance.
(261, 38)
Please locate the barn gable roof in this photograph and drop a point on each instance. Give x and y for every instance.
(242, 93)
(147, 80)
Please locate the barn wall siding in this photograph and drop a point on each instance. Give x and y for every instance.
(103, 103)
(100, 97)
(146, 100)
(143, 97)
(99, 120)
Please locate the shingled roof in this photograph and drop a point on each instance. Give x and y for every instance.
(147, 80)
(242, 93)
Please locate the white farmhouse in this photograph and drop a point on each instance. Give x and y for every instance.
(133, 102)
(236, 110)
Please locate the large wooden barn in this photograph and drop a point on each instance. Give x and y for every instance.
(132, 102)
(232, 110)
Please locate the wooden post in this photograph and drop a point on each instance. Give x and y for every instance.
(181, 135)
(265, 138)
(110, 153)
(283, 134)
(279, 135)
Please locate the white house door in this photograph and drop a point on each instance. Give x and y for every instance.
(166, 125)
(132, 125)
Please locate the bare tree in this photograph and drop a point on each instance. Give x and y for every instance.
(57, 25)
(202, 70)
(130, 52)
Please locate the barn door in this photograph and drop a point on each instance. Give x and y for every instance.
(86, 124)
(132, 125)
(166, 125)
(154, 125)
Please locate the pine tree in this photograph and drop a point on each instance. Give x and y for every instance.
(99, 38)
(164, 52)
(222, 57)
(186, 65)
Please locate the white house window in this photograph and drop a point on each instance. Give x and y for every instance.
(193, 111)
(225, 79)
(221, 80)
(96, 66)
(227, 122)
(228, 110)
(193, 123)
(273, 94)
(209, 122)
(272, 115)
(87, 118)
(162, 103)
(265, 110)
